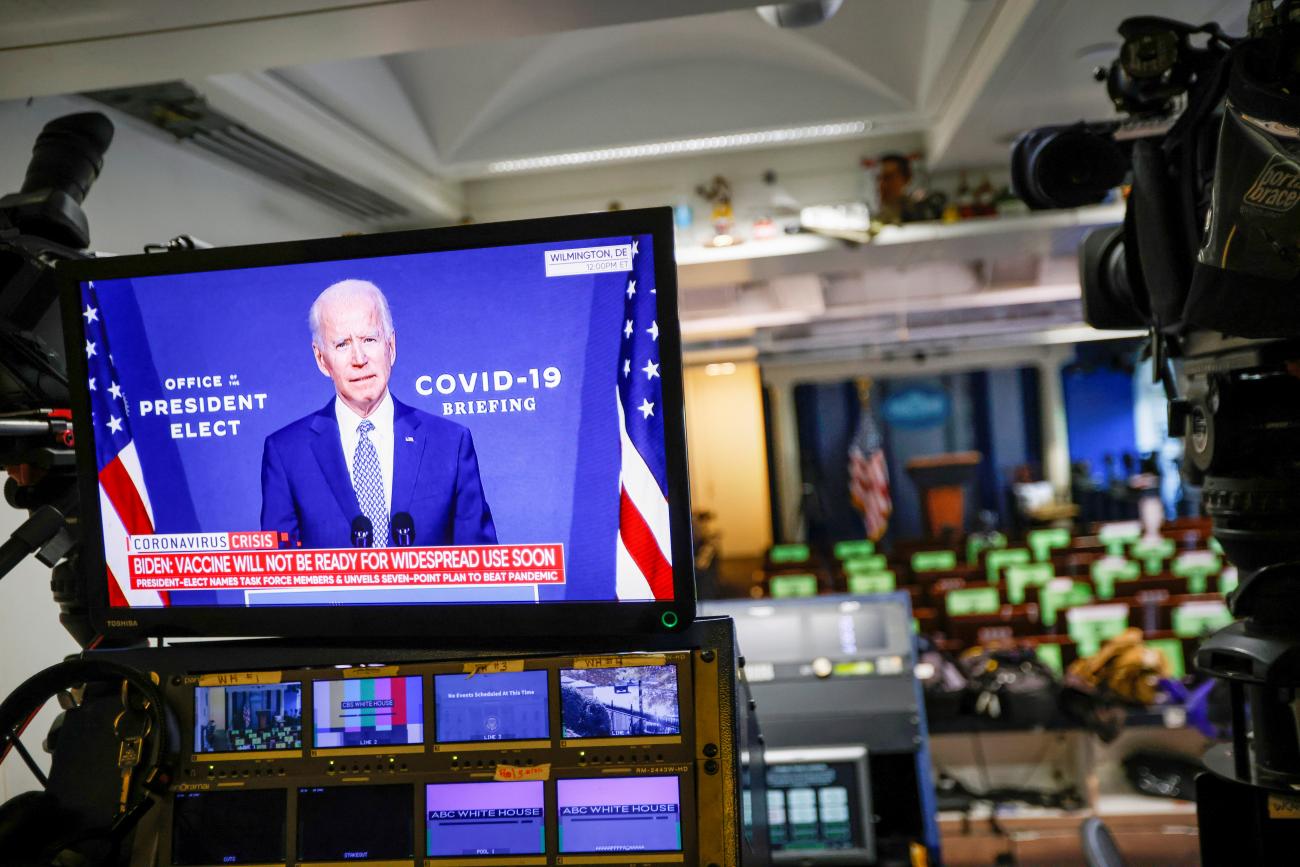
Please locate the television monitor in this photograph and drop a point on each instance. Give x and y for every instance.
(245, 827)
(485, 819)
(461, 431)
(628, 814)
(491, 708)
(623, 702)
(355, 823)
(818, 806)
(261, 718)
(368, 711)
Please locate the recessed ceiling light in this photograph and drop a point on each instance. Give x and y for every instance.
(677, 147)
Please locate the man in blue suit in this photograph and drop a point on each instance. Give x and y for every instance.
(365, 454)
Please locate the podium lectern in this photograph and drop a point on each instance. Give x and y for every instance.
(942, 481)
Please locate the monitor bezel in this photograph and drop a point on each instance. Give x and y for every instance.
(468, 620)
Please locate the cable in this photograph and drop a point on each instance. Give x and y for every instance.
(16, 734)
(31, 763)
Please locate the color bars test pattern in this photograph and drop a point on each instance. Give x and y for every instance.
(377, 711)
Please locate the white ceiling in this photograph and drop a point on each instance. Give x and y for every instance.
(447, 86)
(415, 98)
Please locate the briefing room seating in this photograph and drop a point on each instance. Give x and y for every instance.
(1024, 592)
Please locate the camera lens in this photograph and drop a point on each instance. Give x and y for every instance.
(1113, 296)
(1066, 166)
(1077, 167)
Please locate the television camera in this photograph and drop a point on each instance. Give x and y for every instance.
(1208, 262)
(40, 225)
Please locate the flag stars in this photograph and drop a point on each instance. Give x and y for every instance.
(631, 288)
(91, 314)
(114, 424)
(627, 329)
(634, 247)
(627, 367)
(646, 408)
(115, 390)
(651, 370)
(90, 349)
(92, 383)
(653, 330)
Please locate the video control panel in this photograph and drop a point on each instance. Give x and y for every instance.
(531, 760)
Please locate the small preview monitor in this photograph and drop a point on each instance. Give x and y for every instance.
(501, 706)
(355, 823)
(248, 718)
(470, 430)
(628, 701)
(485, 819)
(368, 712)
(245, 827)
(817, 803)
(621, 814)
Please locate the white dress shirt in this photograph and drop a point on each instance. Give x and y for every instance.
(381, 437)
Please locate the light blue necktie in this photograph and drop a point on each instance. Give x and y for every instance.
(368, 481)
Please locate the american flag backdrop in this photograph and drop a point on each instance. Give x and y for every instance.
(644, 556)
(868, 473)
(123, 499)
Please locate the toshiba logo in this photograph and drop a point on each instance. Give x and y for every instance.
(124, 623)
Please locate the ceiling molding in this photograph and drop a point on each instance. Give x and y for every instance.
(1046, 349)
(280, 111)
(369, 94)
(146, 41)
(990, 50)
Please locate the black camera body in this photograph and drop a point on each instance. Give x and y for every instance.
(1207, 261)
(1208, 257)
(40, 225)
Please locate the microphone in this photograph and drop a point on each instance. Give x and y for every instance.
(403, 529)
(362, 532)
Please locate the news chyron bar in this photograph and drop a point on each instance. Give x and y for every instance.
(475, 429)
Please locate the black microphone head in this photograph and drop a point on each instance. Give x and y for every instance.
(362, 532)
(403, 528)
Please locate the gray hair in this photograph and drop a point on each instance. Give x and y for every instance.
(349, 289)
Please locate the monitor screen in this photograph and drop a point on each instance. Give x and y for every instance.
(478, 416)
(469, 819)
(355, 823)
(629, 701)
(244, 718)
(630, 814)
(815, 806)
(789, 632)
(368, 711)
(229, 827)
(505, 706)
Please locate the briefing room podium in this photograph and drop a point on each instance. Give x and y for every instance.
(942, 481)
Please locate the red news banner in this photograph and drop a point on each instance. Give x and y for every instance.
(251, 561)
